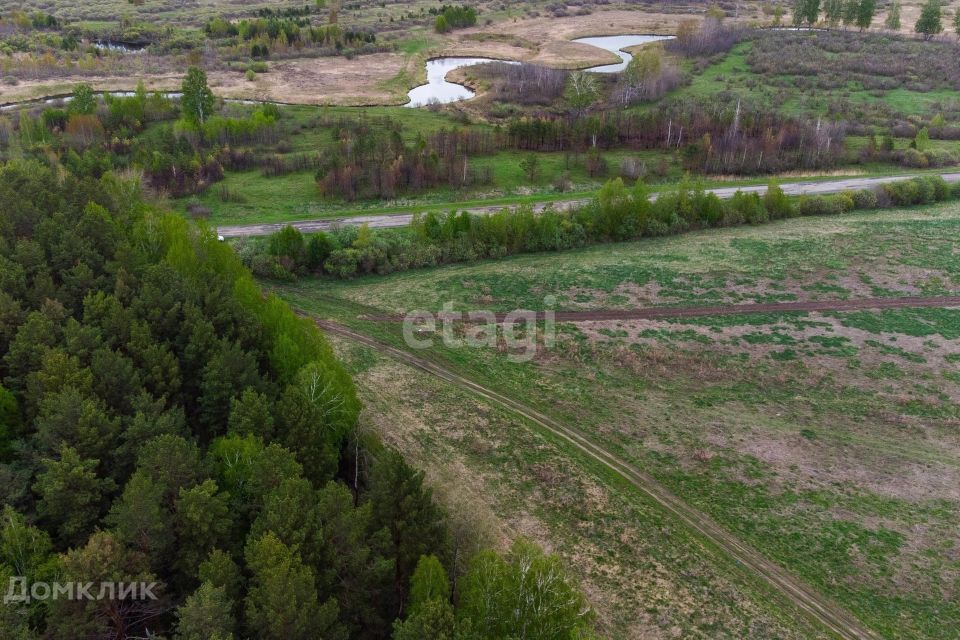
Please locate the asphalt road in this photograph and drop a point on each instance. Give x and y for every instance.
(402, 219)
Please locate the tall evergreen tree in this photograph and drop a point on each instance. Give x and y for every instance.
(930, 22)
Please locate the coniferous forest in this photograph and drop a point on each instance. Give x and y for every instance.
(162, 422)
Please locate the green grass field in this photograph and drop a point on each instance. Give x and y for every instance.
(826, 440)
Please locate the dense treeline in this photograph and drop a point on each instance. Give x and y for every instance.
(180, 145)
(278, 33)
(453, 17)
(163, 422)
(725, 138)
(617, 214)
(370, 161)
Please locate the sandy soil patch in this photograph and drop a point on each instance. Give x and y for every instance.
(334, 81)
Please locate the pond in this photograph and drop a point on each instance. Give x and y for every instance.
(438, 90)
(616, 45)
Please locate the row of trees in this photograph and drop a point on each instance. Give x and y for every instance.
(453, 17)
(369, 162)
(162, 421)
(860, 13)
(617, 214)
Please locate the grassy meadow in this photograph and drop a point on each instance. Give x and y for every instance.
(825, 440)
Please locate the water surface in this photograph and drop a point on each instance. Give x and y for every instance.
(438, 90)
(616, 45)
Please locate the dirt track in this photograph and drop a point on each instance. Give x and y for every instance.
(652, 313)
(402, 219)
(813, 604)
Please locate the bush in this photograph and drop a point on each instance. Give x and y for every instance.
(915, 159)
(941, 190)
(865, 199)
(820, 206)
(777, 203)
(749, 207)
(267, 266)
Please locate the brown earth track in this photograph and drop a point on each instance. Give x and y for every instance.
(817, 607)
(654, 313)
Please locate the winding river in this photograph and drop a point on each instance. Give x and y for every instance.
(439, 90)
(616, 45)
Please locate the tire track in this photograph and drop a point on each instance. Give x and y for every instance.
(813, 604)
(654, 313)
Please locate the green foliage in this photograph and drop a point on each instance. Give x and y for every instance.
(72, 496)
(83, 101)
(429, 582)
(527, 595)
(922, 140)
(175, 421)
(582, 91)
(282, 603)
(851, 11)
(893, 16)
(806, 11)
(206, 615)
(865, 13)
(776, 202)
(833, 11)
(197, 101)
(435, 619)
(9, 421)
(930, 22)
(404, 509)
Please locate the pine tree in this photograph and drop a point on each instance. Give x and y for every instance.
(206, 615)
(893, 17)
(865, 13)
(930, 22)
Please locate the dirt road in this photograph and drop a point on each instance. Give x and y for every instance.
(815, 605)
(402, 219)
(653, 313)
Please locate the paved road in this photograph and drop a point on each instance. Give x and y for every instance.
(653, 313)
(402, 219)
(817, 607)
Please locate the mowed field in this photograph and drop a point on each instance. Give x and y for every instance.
(828, 441)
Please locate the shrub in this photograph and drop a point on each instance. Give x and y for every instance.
(749, 207)
(819, 206)
(955, 190)
(902, 194)
(925, 191)
(865, 199)
(915, 159)
(777, 204)
(267, 266)
(941, 190)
